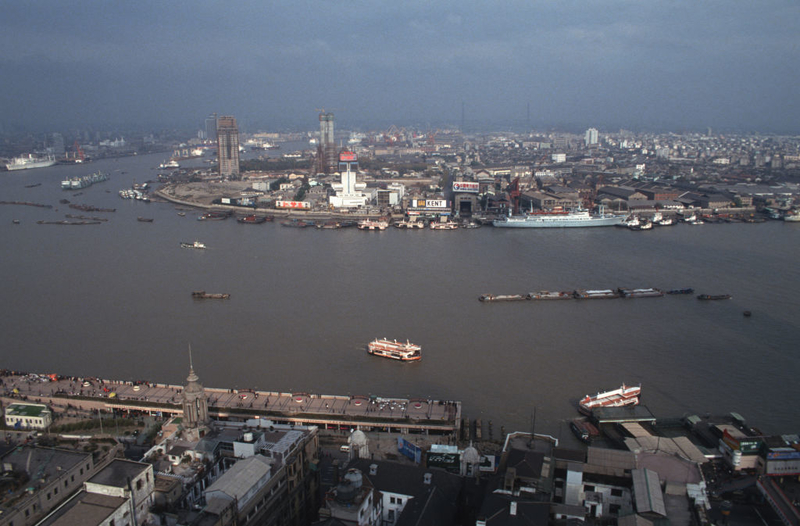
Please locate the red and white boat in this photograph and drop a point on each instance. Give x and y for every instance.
(395, 350)
(625, 395)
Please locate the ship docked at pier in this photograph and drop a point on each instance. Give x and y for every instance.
(29, 161)
(559, 219)
(624, 396)
(395, 350)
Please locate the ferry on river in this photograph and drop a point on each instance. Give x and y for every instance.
(395, 350)
(624, 396)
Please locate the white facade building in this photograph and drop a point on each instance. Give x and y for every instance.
(349, 192)
(28, 416)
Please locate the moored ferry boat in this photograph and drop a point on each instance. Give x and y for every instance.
(624, 396)
(443, 225)
(369, 224)
(395, 350)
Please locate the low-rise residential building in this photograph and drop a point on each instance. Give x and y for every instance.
(38, 480)
(22, 415)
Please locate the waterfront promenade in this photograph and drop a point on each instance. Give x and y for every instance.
(326, 411)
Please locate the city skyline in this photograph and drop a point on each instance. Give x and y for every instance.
(604, 63)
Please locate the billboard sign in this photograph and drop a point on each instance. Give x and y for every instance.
(783, 454)
(410, 450)
(293, 205)
(462, 186)
(347, 157)
(449, 461)
(488, 463)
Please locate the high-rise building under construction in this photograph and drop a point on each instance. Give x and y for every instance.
(326, 150)
(228, 147)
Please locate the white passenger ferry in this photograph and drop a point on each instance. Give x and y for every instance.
(395, 350)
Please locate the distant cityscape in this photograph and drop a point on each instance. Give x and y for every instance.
(448, 174)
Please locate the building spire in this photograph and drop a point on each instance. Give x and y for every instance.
(192, 376)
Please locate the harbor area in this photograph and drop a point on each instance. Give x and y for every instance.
(338, 412)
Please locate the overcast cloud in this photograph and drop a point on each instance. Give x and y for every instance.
(604, 63)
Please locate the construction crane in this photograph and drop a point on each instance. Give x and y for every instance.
(79, 152)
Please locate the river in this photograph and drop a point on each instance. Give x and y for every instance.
(113, 300)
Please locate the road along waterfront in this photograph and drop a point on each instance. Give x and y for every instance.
(114, 301)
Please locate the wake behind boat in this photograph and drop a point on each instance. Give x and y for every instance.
(395, 350)
(573, 218)
(624, 396)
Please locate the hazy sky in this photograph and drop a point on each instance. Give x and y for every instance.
(728, 64)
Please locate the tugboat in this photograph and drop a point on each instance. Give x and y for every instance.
(707, 297)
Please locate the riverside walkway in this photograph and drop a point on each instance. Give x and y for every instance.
(327, 411)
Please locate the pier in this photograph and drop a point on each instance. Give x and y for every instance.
(366, 412)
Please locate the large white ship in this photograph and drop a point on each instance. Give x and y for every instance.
(28, 162)
(574, 218)
(395, 350)
(625, 395)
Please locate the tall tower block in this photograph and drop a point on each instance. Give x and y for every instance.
(327, 147)
(228, 147)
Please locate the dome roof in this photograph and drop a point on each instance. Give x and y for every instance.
(358, 438)
(471, 455)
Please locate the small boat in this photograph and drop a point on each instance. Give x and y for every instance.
(621, 397)
(395, 350)
(643, 225)
(203, 295)
(182, 214)
(196, 244)
(681, 291)
(145, 219)
(15, 221)
(714, 297)
(584, 430)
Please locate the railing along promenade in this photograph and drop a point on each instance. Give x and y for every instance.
(327, 411)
